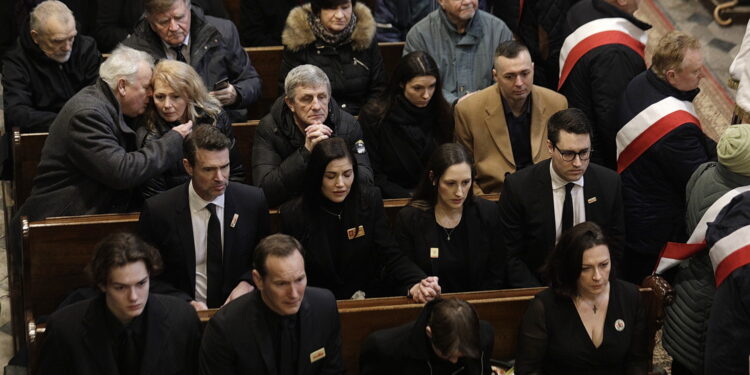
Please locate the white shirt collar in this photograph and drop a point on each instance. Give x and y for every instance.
(197, 203)
(185, 42)
(559, 182)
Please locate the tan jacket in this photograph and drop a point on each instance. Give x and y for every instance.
(481, 128)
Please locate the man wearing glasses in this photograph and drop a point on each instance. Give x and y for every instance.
(540, 202)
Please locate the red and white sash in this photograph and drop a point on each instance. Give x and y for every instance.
(674, 253)
(595, 34)
(647, 127)
(730, 253)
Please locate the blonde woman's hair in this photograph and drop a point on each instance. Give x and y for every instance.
(183, 79)
(670, 52)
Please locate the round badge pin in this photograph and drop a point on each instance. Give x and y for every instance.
(619, 325)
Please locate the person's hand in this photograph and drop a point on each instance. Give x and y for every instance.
(198, 306)
(243, 287)
(225, 96)
(315, 133)
(425, 290)
(184, 129)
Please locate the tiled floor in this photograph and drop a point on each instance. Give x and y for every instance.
(721, 44)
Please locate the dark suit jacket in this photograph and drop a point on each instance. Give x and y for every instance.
(237, 339)
(416, 233)
(78, 341)
(166, 223)
(527, 216)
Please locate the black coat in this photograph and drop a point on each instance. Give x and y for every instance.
(406, 350)
(78, 340)
(653, 186)
(176, 174)
(355, 69)
(262, 21)
(36, 87)
(527, 216)
(400, 143)
(597, 80)
(238, 340)
(416, 233)
(373, 261)
(280, 157)
(166, 222)
(215, 53)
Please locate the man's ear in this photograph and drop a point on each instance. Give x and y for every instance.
(102, 287)
(188, 167)
(289, 103)
(257, 280)
(550, 148)
(121, 83)
(428, 331)
(35, 36)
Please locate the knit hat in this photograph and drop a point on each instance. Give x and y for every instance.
(733, 149)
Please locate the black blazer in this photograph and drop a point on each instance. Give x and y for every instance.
(237, 339)
(374, 263)
(166, 223)
(416, 233)
(78, 341)
(527, 216)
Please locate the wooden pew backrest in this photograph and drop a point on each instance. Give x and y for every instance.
(27, 151)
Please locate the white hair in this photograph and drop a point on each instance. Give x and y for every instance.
(305, 75)
(42, 13)
(123, 63)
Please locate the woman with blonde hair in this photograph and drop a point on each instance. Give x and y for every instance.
(179, 96)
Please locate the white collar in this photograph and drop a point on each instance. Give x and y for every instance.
(197, 203)
(559, 182)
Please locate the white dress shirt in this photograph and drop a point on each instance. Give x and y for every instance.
(199, 215)
(558, 197)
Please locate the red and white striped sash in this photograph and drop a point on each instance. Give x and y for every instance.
(649, 126)
(730, 253)
(595, 34)
(674, 253)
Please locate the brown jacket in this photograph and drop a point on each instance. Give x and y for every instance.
(481, 128)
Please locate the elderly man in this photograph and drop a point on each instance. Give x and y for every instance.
(601, 54)
(283, 327)
(659, 146)
(89, 163)
(505, 125)
(304, 116)
(125, 329)
(540, 202)
(461, 39)
(50, 63)
(171, 29)
(709, 189)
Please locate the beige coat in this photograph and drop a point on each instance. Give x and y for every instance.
(481, 128)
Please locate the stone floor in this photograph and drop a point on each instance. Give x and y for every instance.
(721, 44)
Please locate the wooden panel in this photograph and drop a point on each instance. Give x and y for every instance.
(267, 61)
(27, 151)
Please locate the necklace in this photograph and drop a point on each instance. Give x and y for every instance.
(592, 304)
(338, 215)
(448, 232)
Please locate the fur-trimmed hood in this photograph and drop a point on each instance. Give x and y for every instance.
(297, 32)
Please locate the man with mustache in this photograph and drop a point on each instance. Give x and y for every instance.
(206, 229)
(538, 203)
(505, 126)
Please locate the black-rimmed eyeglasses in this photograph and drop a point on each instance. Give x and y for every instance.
(570, 155)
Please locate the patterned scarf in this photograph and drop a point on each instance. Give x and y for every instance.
(334, 39)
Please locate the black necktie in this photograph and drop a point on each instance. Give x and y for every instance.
(129, 361)
(214, 263)
(567, 212)
(178, 53)
(288, 350)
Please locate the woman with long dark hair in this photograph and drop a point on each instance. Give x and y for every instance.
(586, 322)
(403, 126)
(349, 248)
(447, 231)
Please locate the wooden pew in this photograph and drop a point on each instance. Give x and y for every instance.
(244, 135)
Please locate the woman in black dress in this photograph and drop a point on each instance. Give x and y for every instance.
(349, 248)
(180, 96)
(585, 322)
(403, 126)
(447, 231)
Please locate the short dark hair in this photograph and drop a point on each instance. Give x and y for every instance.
(510, 49)
(455, 327)
(317, 5)
(120, 249)
(444, 157)
(277, 245)
(205, 137)
(571, 120)
(563, 267)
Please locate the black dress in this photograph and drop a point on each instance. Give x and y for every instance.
(471, 260)
(553, 340)
(400, 145)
